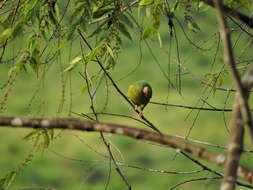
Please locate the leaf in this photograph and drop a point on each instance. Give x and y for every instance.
(6, 34)
(92, 54)
(62, 45)
(110, 51)
(145, 2)
(175, 6)
(146, 32)
(123, 18)
(31, 4)
(10, 178)
(51, 133)
(17, 29)
(74, 63)
(159, 39)
(46, 139)
(71, 32)
(192, 25)
(31, 134)
(101, 11)
(78, 9)
(94, 79)
(57, 12)
(123, 30)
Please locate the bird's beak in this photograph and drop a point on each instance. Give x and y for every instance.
(145, 91)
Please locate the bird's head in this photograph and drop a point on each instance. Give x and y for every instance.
(145, 91)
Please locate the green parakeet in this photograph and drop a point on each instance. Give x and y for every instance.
(140, 93)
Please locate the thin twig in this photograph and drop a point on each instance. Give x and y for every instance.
(193, 107)
(196, 179)
(111, 158)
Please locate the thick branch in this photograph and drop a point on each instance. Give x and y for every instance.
(229, 60)
(229, 11)
(136, 133)
(241, 113)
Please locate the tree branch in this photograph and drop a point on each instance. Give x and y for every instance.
(229, 11)
(136, 133)
(116, 86)
(241, 112)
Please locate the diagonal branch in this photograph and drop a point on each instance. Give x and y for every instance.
(116, 86)
(96, 119)
(234, 13)
(135, 133)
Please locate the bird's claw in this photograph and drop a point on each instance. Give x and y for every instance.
(140, 114)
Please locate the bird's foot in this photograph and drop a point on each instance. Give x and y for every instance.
(140, 114)
(135, 107)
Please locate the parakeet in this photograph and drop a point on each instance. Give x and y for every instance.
(140, 93)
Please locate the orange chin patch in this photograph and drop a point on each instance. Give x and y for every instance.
(145, 91)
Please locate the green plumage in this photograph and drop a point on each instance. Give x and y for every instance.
(140, 93)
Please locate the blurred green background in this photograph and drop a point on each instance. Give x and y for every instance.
(69, 163)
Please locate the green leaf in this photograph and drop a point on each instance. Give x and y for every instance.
(110, 51)
(145, 2)
(96, 32)
(159, 39)
(94, 79)
(123, 30)
(123, 18)
(31, 134)
(10, 178)
(6, 34)
(101, 11)
(92, 55)
(46, 139)
(146, 32)
(74, 63)
(192, 25)
(17, 29)
(57, 12)
(62, 45)
(78, 9)
(31, 4)
(71, 32)
(175, 6)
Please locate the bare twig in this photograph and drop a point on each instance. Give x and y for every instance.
(111, 158)
(193, 107)
(197, 179)
(116, 165)
(239, 25)
(127, 165)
